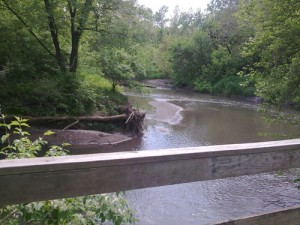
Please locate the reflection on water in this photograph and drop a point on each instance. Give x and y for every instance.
(206, 120)
(202, 120)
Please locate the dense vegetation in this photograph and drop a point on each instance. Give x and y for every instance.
(54, 54)
(68, 57)
(237, 47)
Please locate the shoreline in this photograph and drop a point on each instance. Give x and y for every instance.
(167, 83)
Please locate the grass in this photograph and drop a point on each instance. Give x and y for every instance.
(108, 101)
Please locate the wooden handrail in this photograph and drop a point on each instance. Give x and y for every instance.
(27, 180)
(287, 216)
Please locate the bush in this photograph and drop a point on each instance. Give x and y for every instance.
(202, 85)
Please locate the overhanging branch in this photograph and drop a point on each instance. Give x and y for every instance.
(28, 27)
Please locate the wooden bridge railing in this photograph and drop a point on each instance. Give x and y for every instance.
(28, 180)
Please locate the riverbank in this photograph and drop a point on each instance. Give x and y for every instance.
(167, 83)
(83, 137)
(90, 131)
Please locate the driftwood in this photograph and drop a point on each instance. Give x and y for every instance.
(133, 120)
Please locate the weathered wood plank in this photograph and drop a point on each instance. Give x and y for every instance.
(289, 216)
(36, 179)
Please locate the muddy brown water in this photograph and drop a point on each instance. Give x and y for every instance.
(183, 119)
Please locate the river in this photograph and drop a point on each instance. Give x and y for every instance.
(177, 118)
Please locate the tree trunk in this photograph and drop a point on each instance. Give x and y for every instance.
(114, 85)
(74, 52)
(54, 36)
(76, 32)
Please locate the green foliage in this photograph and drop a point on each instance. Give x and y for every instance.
(273, 49)
(189, 58)
(94, 209)
(209, 58)
(161, 20)
(146, 58)
(107, 101)
(231, 86)
(21, 146)
(45, 95)
(117, 66)
(83, 210)
(124, 41)
(35, 58)
(202, 85)
(201, 66)
(223, 64)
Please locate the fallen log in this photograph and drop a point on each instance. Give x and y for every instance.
(76, 118)
(133, 120)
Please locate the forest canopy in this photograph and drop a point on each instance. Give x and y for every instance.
(70, 56)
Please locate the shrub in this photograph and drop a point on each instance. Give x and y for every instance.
(202, 85)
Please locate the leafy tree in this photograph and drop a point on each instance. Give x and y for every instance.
(117, 66)
(185, 23)
(189, 58)
(56, 19)
(142, 26)
(222, 25)
(274, 48)
(39, 52)
(217, 5)
(161, 20)
(174, 21)
(210, 58)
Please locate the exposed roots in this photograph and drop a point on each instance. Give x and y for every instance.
(135, 121)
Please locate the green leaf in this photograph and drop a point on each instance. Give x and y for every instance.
(25, 125)
(25, 133)
(18, 118)
(14, 123)
(4, 138)
(48, 133)
(65, 144)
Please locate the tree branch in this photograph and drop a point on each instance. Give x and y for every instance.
(28, 27)
(71, 125)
